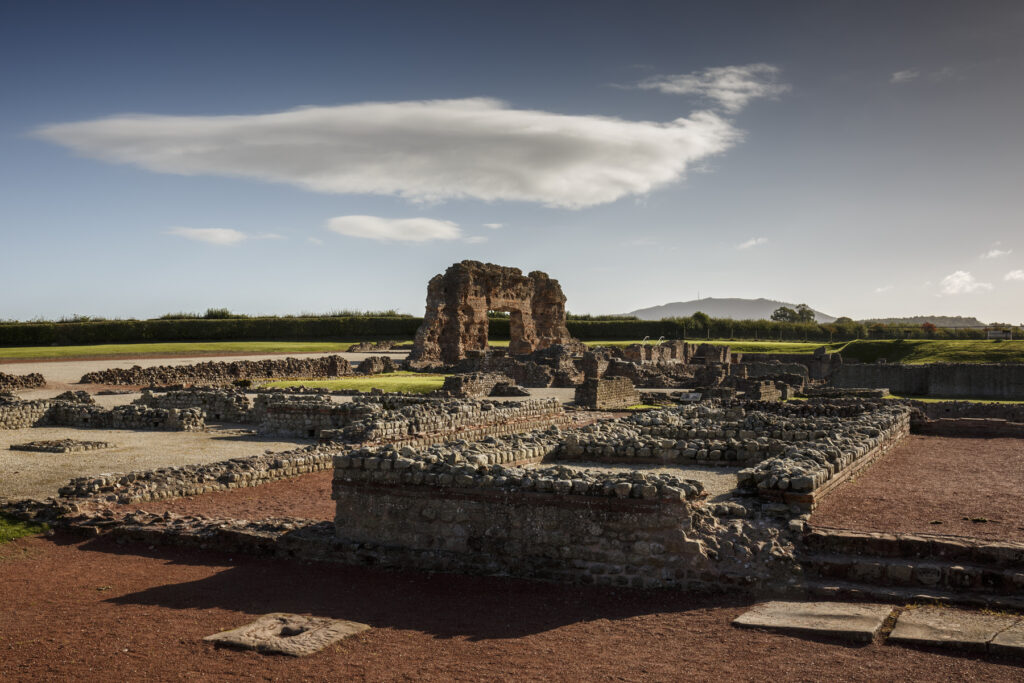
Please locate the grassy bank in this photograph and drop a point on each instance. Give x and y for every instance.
(11, 529)
(415, 382)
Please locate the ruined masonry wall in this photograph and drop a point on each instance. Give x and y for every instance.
(607, 394)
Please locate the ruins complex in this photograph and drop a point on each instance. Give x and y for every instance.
(456, 320)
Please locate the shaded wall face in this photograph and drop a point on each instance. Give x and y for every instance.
(952, 380)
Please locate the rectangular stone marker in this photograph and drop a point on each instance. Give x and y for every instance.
(858, 622)
(288, 634)
(944, 627)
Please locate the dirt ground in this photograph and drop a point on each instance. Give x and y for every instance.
(94, 610)
(936, 485)
(38, 475)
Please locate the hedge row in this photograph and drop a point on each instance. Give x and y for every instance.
(348, 328)
(232, 329)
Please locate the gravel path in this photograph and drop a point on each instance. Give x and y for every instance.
(936, 485)
(38, 475)
(95, 610)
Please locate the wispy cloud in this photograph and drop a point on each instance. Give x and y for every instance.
(425, 151)
(394, 229)
(315, 240)
(996, 253)
(1014, 275)
(883, 289)
(475, 239)
(962, 282)
(730, 87)
(220, 236)
(904, 76)
(494, 226)
(753, 242)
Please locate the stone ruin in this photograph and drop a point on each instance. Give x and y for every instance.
(456, 323)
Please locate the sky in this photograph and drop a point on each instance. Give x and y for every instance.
(864, 157)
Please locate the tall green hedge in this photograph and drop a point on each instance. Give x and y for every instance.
(364, 327)
(231, 329)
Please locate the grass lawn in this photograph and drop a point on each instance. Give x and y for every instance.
(169, 349)
(11, 529)
(935, 351)
(415, 382)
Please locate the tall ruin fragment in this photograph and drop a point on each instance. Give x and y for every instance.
(458, 302)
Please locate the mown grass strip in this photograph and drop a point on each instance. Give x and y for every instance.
(411, 382)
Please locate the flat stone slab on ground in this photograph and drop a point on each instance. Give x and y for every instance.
(945, 627)
(849, 621)
(1010, 641)
(288, 634)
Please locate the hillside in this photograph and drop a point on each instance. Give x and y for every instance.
(737, 309)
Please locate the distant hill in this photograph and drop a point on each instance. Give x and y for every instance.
(937, 320)
(737, 309)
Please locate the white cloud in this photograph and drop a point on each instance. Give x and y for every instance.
(426, 150)
(476, 239)
(732, 87)
(996, 253)
(314, 240)
(394, 229)
(494, 226)
(962, 282)
(1014, 275)
(883, 289)
(221, 236)
(753, 242)
(904, 76)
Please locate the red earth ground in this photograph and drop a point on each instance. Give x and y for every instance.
(936, 485)
(91, 610)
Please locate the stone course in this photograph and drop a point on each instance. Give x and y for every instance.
(218, 372)
(61, 446)
(607, 394)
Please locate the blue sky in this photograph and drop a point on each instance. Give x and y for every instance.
(864, 157)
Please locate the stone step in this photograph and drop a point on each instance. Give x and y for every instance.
(848, 590)
(922, 574)
(915, 547)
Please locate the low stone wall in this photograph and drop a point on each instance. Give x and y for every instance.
(61, 412)
(953, 409)
(1002, 381)
(125, 417)
(307, 418)
(375, 365)
(473, 384)
(220, 405)
(457, 511)
(215, 372)
(607, 394)
(15, 382)
(23, 414)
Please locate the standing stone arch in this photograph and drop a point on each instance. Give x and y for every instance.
(456, 322)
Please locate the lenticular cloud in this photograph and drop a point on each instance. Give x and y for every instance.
(424, 151)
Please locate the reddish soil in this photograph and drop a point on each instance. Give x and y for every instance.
(307, 497)
(936, 485)
(74, 610)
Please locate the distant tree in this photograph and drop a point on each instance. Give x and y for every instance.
(928, 329)
(843, 320)
(701, 319)
(804, 314)
(785, 314)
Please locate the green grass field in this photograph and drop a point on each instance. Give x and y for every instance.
(939, 399)
(11, 529)
(414, 382)
(865, 351)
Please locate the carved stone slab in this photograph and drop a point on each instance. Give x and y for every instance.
(288, 634)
